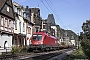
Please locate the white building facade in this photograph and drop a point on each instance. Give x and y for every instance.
(19, 38)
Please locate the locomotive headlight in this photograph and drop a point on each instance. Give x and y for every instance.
(41, 42)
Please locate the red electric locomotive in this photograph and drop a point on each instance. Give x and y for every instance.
(43, 41)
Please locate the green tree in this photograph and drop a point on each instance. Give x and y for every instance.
(85, 37)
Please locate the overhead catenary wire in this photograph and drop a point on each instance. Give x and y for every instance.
(54, 11)
(45, 6)
(56, 15)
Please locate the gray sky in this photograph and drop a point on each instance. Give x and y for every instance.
(68, 14)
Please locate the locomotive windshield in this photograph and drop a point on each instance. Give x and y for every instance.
(37, 37)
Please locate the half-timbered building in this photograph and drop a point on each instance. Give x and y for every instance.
(6, 25)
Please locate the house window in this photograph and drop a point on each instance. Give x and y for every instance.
(20, 26)
(12, 24)
(36, 15)
(7, 8)
(24, 15)
(29, 30)
(6, 22)
(23, 27)
(44, 26)
(15, 8)
(20, 13)
(9, 24)
(15, 24)
(2, 21)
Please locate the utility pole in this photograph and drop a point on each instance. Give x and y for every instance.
(42, 25)
(78, 40)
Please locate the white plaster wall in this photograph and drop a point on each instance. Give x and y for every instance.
(54, 27)
(29, 35)
(18, 28)
(73, 42)
(3, 38)
(22, 21)
(32, 15)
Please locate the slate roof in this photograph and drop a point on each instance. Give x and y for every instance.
(2, 2)
(3, 8)
(35, 10)
(51, 19)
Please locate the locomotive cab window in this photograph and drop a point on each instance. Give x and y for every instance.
(37, 37)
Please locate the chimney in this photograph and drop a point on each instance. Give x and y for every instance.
(26, 7)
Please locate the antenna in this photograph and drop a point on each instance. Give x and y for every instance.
(38, 5)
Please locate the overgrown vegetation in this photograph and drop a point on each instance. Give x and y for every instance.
(85, 38)
(84, 51)
(78, 54)
(24, 49)
(17, 49)
(86, 46)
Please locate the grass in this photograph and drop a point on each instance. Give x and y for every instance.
(78, 54)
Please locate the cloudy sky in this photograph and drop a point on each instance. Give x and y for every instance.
(68, 14)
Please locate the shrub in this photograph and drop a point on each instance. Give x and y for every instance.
(15, 49)
(24, 49)
(86, 46)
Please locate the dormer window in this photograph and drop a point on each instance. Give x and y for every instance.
(7, 8)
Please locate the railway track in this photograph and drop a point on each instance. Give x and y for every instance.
(33, 56)
(46, 56)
